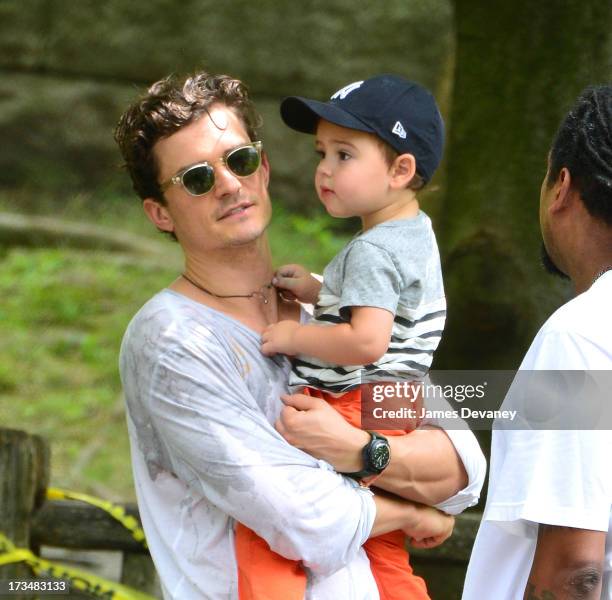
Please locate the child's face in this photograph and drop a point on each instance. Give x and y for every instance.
(352, 177)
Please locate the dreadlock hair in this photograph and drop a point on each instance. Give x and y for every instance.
(583, 145)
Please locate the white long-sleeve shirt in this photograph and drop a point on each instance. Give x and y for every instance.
(202, 401)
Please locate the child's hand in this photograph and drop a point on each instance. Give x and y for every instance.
(278, 338)
(431, 529)
(296, 282)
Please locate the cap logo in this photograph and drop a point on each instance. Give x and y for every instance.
(346, 90)
(398, 129)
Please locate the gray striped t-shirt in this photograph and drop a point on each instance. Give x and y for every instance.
(394, 266)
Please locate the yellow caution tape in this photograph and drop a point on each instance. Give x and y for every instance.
(114, 510)
(79, 580)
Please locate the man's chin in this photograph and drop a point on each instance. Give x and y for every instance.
(549, 266)
(249, 237)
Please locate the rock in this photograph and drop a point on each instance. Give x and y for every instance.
(70, 69)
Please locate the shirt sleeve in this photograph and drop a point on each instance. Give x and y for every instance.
(217, 441)
(370, 278)
(475, 464)
(550, 475)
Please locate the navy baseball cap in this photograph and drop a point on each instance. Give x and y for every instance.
(400, 112)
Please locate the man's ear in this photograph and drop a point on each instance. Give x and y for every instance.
(402, 170)
(563, 191)
(158, 214)
(265, 166)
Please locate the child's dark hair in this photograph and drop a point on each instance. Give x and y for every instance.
(390, 154)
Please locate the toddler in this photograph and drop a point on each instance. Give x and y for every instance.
(380, 311)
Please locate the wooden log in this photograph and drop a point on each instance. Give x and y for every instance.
(444, 567)
(69, 524)
(138, 572)
(24, 474)
(34, 231)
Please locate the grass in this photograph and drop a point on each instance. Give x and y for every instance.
(62, 316)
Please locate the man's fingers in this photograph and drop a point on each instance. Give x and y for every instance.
(280, 426)
(428, 542)
(283, 424)
(300, 401)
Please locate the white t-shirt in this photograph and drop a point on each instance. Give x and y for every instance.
(202, 400)
(545, 476)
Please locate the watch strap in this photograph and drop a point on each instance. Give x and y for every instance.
(367, 475)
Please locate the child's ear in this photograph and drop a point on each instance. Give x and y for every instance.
(403, 170)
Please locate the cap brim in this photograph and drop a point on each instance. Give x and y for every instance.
(303, 115)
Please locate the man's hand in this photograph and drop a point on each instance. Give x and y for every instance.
(312, 425)
(279, 338)
(296, 282)
(431, 527)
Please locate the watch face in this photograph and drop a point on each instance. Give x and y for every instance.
(379, 454)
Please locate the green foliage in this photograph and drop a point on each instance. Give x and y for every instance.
(63, 317)
(304, 240)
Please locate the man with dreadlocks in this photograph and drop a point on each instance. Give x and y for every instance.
(546, 532)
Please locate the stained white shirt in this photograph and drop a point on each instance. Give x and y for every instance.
(202, 401)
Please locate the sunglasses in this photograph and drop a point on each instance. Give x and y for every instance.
(199, 179)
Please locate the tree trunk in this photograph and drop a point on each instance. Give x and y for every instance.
(519, 66)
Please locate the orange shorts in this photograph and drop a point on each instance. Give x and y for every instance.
(265, 575)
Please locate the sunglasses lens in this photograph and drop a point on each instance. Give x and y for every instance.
(199, 180)
(244, 161)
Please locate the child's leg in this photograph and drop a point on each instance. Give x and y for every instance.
(389, 562)
(387, 553)
(263, 574)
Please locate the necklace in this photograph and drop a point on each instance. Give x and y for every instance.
(259, 293)
(600, 273)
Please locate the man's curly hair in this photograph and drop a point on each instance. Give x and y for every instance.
(167, 106)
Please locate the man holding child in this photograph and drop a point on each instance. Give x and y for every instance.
(203, 400)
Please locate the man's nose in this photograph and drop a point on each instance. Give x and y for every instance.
(226, 183)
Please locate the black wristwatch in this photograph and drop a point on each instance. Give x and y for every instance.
(376, 456)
